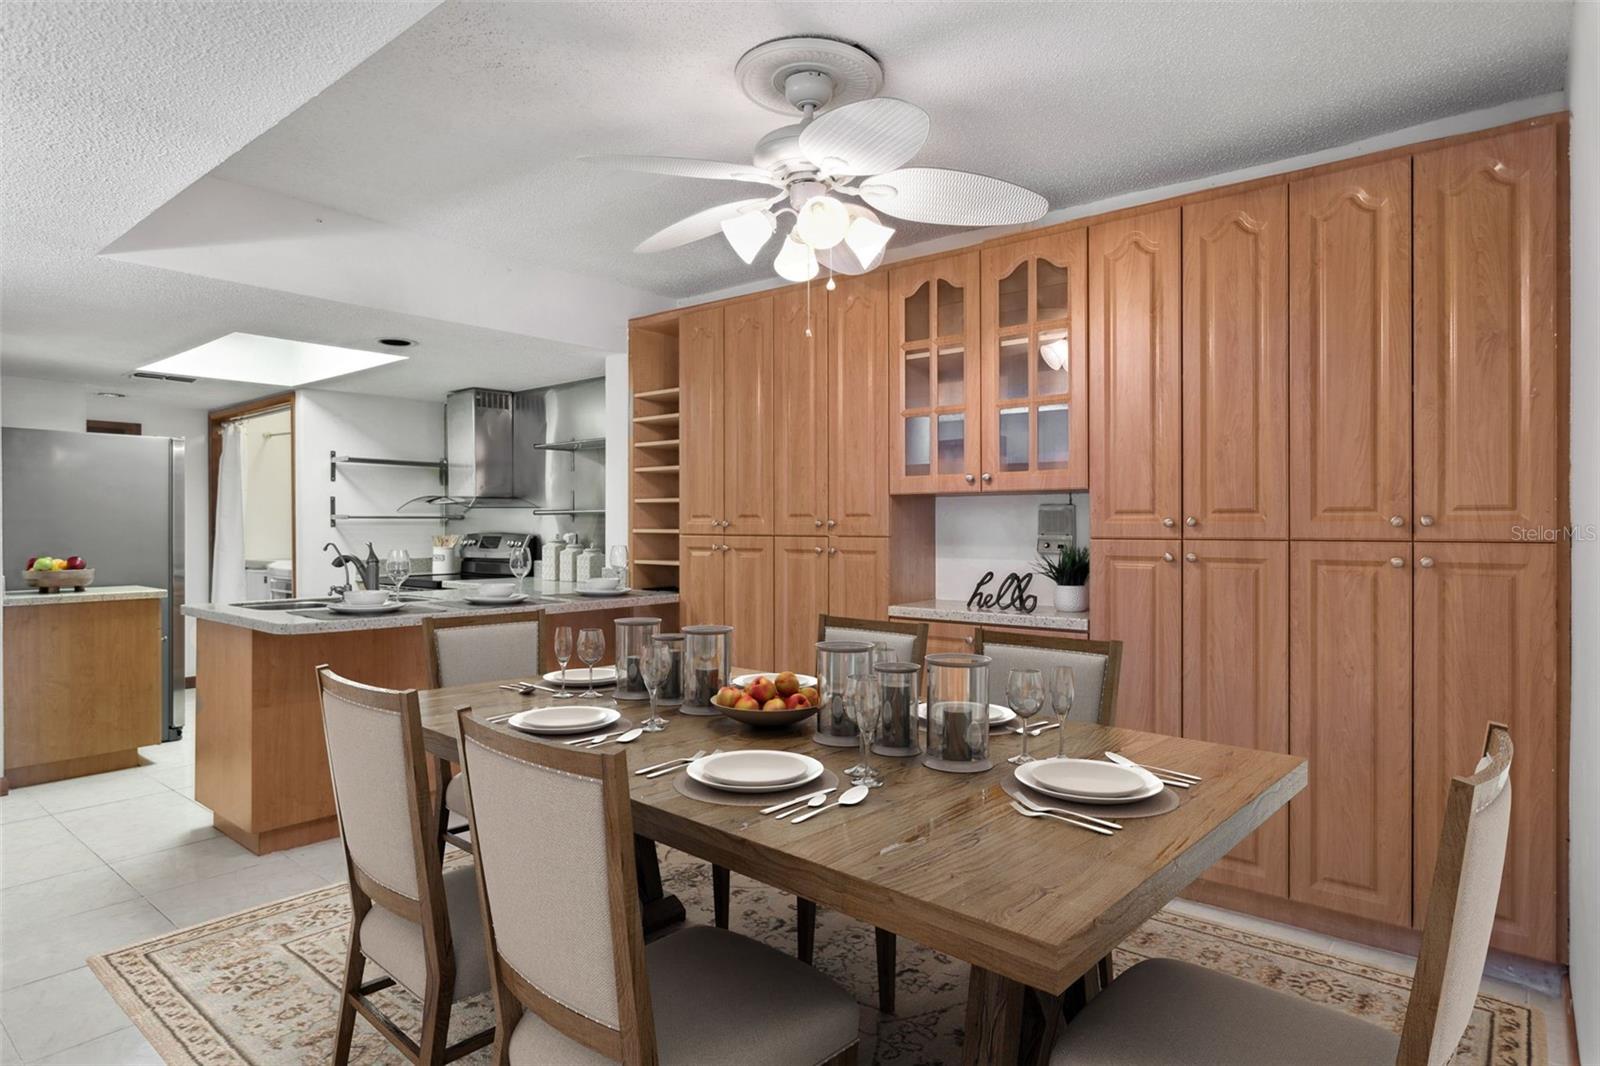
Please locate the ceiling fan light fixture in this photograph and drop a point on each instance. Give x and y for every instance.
(748, 232)
(867, 237)
(795, 260)
(822, 222)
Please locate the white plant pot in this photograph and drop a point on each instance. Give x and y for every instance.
(1072, 598)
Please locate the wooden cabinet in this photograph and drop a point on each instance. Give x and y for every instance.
(725, 359)
(1489, 408)
(798, 431)
(1035, 374)
(933, 327)
(1136, 597)
(729, 581)
(858, 577)
(1489, 630)
(799, 596)
(1135, 336)
(1350, 718)
(1236, 679)
(859, 422)
(701, 400)
(1350, 354)
(701, 581)
(1235, 366)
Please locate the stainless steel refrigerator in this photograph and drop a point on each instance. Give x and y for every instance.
(115, 500)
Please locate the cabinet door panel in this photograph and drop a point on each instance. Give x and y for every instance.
(747, 598)
(1137, 597)
(1489, 410)
(799, 596)
(935, 441)
(858, 577)
(1135, 332)
(1350, 717)
(859, 421)
(750, 417)
(1235, 679)
(798, 435)
(1236, 366)
(1489, 630)
(700, 421)
(700, 581)
(1350, 354)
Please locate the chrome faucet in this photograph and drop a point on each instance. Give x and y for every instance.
(340, 559)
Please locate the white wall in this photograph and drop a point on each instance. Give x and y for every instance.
(988, 532)
(619, 430)
(34, 404)
(268, 459)
(1583, 91)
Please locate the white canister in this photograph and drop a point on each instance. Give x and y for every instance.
(569, 559)
(590, 563)
(446, 561)
(550, 560)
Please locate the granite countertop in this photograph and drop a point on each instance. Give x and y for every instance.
(419, 605)
(957, 611)
(26, 597)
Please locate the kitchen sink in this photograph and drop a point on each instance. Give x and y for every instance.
(284, 605)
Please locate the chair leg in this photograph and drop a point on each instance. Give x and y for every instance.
(1103, 970)
(886, 970)
(719, 895)
(805, 921)
(355, 964)
(435, 1028)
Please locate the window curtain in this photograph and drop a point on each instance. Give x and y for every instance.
(227, 552)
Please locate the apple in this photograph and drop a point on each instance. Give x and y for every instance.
(797, 701)
(44, 563)
(726, 696)
(58, 564)
(813, 697)
(29, 564)
(746, 704)
(774, 704)
(76, 562)
(787, 684)
(761, 689)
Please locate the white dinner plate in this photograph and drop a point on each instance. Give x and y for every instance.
(557, 721)
(365, 608)
(583, 677)
(743, 680)
(516, 597)
(755, 770)
(1088, 781)
(602, 592)
(998, 715)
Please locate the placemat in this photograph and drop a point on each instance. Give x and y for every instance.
(1162, 802)
(688, 786)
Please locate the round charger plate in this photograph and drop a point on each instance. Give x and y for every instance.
(998, 715)
(372, 608)
(583, 677)
(813, 770)
(1036, 775)
(561, 721)
(1162, 802)
(688, 786)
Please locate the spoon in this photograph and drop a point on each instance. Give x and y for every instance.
(815, 801)
(851, 797)
(625, 738)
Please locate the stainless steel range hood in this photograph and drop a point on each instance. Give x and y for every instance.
(478, 444)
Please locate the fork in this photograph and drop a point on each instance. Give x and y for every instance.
(1057, 816)
(1032, 806)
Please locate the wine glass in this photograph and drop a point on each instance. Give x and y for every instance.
(1025, 693)
(521, 562)
(564, 656)
(864, 698)
(654, 663)
(619, 563)
(1063, 690)
(398, 567)
(591, 649)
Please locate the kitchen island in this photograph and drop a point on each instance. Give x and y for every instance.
(82, 680)
(261, 765)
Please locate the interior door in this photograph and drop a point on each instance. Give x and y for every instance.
(859, 421)
(1235, 679)
(858, 577)
(1350, 354)
(701, 581)
(750, 416)
(934, 322)
(799, 596)
(1035, 431)
(1236, 366)
(799, 430)
(1489, 632)
(1137, 597)
(747, 599)
(1489, 413)
(1350, 718)
(700, 421)
(1135, 349)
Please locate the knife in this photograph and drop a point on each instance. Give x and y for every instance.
(1171, 782)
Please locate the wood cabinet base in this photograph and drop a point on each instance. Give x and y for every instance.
(39, 773)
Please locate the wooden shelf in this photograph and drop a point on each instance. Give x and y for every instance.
(657, 394)
(656, 499)
(670, 532)
(673, 469)
(656, 420)
(673, 443)
(655, 562)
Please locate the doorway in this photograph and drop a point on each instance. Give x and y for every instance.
(252, 501)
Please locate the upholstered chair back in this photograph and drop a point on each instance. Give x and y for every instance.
(491, 649)
(907, 641)
(1095, 666)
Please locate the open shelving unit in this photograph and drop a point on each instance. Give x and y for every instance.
(653, 455)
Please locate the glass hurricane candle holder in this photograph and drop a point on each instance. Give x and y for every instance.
(707, 664)
(837, 661)
(634, 637)
(897, 731)
(958, 713)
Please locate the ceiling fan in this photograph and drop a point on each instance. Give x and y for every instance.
(835, 169)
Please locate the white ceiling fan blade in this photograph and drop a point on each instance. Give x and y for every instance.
(698, 226)
(951, 198)
(868, 137)
(674, 167)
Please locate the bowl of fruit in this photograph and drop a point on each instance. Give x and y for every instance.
(768, 701)
(48, 574)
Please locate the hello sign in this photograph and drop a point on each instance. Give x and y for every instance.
(1012, 595)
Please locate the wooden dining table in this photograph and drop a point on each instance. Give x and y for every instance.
(943, 858)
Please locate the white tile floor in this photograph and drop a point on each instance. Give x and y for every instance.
(100, 862)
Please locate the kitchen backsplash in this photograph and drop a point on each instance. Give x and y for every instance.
(983, 532)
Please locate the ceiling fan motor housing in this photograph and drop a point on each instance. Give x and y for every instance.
(808, 90)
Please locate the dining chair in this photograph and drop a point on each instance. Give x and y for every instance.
(907, 642)
(464, 651)
(1096, 666)
(417, 921)
(574, 982)
(1165, 1011)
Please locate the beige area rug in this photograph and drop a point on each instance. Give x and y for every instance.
(261, 986)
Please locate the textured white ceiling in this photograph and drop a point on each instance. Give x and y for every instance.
(467, 125)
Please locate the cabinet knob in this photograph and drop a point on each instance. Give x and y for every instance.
(1191, 557)
(723, 548)
(1425, 520)
(831, 523)
(970, 479)
(817, 550)
(819, 523)
(1426, 562)
(967, 641)
(1397, 562)
(1397, 521)
(833, 551)
(1191, 521)
(1166, 556)
(988, 477)
(1169, 523)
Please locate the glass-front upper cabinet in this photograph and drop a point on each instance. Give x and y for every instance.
(1034, 354)
(933, 313)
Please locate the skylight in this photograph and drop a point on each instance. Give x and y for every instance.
(268, 360)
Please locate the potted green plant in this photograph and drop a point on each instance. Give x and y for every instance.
(1070, 572)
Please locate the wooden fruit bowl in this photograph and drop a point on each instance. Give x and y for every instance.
(56, 580)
